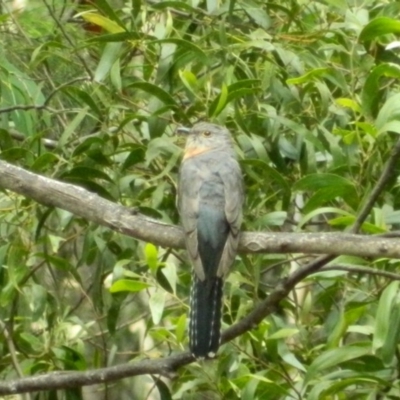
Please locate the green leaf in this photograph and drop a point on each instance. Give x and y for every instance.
(157, 303)
(187, 46)
(389, 115)
(392, 126)
(378, 27)
(366, 227)
(46, 160)
(283, 334)
(276, 218)
(85, 173)
(169, 271)
(72, 126)
(109, 11)
(189, 80)
(327, 187)
(109, 56)
(219, 104)
(88, 144)
(179, 5)
(99, 20)
(289, 357)
(136, 156)
(309, 76)
(322, 211)
(151, 254)
(348, 103)
(322, 181)
(30, 342)
(128, 285)
(340, 386)
(251, 84)
(72, 358)
(392, 338)
(113, 311)
(163, 390)
(180, 329)
(115, 37)
(334, 357)
(155, 91)
(370, 93)
(384, 314)
(85, 97)
(237, 90)
(323, 196)
(14, 154)
(260, 17)
(260, 378)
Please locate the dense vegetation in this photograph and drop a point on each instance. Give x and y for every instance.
(310, 91)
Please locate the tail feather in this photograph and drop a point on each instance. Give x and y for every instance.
(205, 317)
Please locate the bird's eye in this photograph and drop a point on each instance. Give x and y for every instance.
(206, 133)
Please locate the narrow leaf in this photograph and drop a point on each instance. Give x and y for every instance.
(105, 23)
(128, 285)
(383, 315)
(156, 303)
(154, 90)
(378, 27)
(109, 56)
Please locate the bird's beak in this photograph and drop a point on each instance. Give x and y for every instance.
(182, 130)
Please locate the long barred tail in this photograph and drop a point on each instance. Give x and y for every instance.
(205, 317)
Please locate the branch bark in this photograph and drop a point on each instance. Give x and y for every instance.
(90, 206)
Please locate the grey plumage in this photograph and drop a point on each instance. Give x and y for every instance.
(210, 198)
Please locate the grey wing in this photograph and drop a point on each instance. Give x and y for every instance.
(188, 207)
(232, 177)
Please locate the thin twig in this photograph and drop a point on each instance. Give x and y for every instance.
(386, 175)
(25, 108)
(66, 36)
(359, 269)
(13, 354)
(45, 103)
(49, 143)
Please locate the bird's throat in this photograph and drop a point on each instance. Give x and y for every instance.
(194, 151)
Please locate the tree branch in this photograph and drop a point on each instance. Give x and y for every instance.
(90, 206)
(64, 380)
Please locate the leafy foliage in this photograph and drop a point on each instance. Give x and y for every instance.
(311, 94)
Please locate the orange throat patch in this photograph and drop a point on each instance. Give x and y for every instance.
(194, 151)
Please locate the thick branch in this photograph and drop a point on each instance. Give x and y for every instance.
(90, 206)
(70, 379)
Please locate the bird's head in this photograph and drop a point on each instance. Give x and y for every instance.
(204, 137)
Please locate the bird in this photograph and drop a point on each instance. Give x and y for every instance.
(210, 201)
